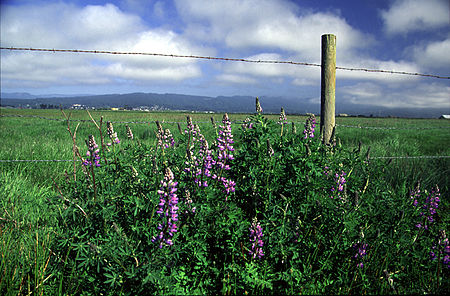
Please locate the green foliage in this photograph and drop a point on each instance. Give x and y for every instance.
(331, 221)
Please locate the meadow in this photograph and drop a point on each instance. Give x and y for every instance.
(335, 219)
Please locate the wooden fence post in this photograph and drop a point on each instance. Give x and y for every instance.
(328, 88)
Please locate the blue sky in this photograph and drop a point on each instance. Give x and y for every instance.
(401, 35)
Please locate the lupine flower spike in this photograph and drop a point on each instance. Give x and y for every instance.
(129, 133)
(270, 151)
(259, 110)
(256, 234)
(337, 189)
(360, 249)
(93, 157)
(247, 124)
(167, 209)
(112, 135)
(283, 119)
(159, 134)
(310, 126)
(168, 139)
(225, 145)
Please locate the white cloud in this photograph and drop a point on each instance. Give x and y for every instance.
(268, 24)
(238, 79)
(418, 95)
(91, 27)
(434, 55)
(415, 15)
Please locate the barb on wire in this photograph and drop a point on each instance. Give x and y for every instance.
(217, 58)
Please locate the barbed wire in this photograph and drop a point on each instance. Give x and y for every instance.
(218, 58)
(37, 160)
(392, 128)
(411, 157)
(233, 122)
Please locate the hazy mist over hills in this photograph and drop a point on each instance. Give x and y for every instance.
(231, 104)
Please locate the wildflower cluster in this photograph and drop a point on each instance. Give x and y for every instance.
(225, 145)
(204, 163)
(192, 164)
(167, 210)
(168, 139)
(92, 153)
(188, 202)
(112, 135)
(443, 249)
(256, 239)
(190, 129)
(282, 119)
(129, 132)
(428, 208)
(339, 180)
(310, 126)
(259, 109)
(360, 249)
(247, 124)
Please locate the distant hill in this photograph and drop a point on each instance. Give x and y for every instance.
(231, 104)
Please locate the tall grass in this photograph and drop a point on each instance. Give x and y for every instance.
(28, 219)
(26, 231)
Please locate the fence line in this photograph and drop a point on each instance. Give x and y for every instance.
(219, 58)
(233, 122)
(374, 157)
(411, 157)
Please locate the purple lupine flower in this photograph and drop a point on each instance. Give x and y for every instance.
(190, 129)
(282, 119)
(310, 126)
(229, 186)
(360, 253)
(247, 124)
(224, 143)
(443, 249)
(112, 135)
(159, 134)
(93, 157)
(259, 109)
(205, 163)
(429, 207)
(256, 234)
(225, 149)
(188, 201)
(339, 184)
(168, 139)
(129, 132)
(167, 210)
(192, 159)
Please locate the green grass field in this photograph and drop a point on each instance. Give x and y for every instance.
(26, 223)
(36, 138)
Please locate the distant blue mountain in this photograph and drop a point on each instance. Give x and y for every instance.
(231, 104)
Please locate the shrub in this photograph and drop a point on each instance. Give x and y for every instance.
(275, 212)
